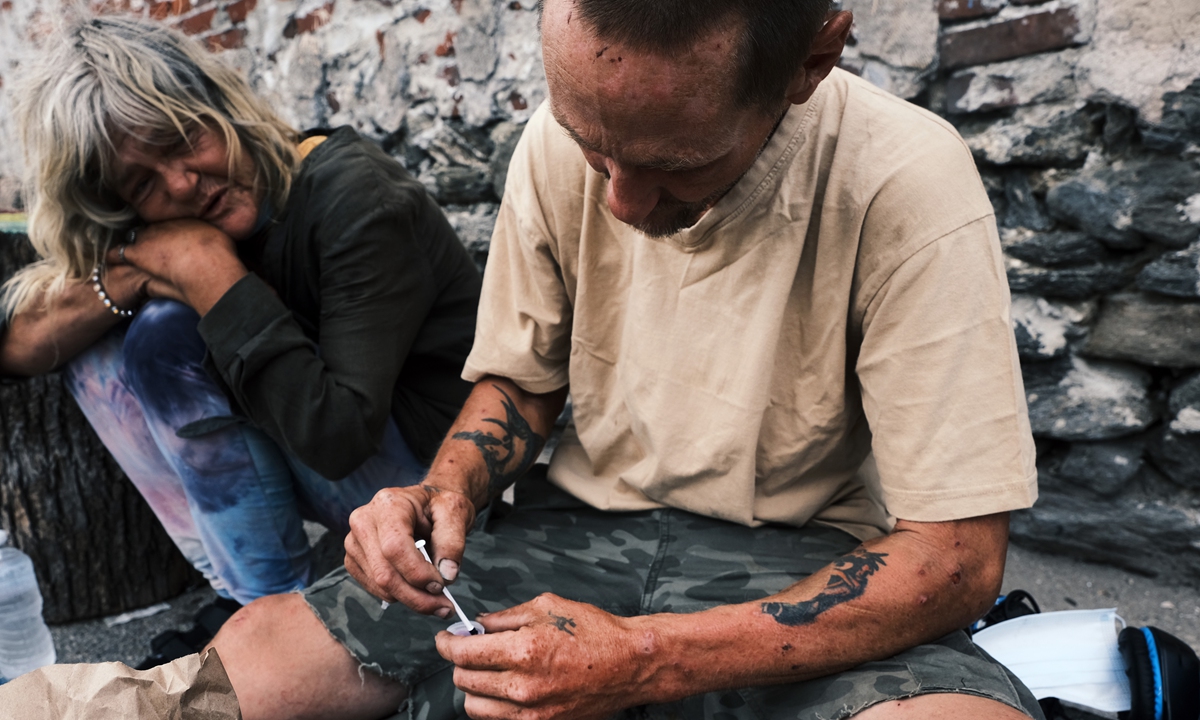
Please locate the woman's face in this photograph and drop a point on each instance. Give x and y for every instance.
(179, 180)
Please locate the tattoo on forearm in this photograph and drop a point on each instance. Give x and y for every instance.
(562, 622)
(848, 581)
(499, 453)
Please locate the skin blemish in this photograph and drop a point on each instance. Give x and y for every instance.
(602, 51)
(921, 572)
(786, 648)
(922, 599)
(956, 578)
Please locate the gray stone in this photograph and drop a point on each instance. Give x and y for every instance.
(1150, 197)
(1175, 273)
(1025, 209)
(504, 138)
(1045, 329)
(1104, 468)
(459, 185)
(1148, 329)
(1186, 396)
(1039, 135)
(474, 225)
(1180, 126)
(1144, 536)
(895, 44)
(1076, 399)
(1054, 249)
(1177, 455)
(1044, 78)
(1069, 283)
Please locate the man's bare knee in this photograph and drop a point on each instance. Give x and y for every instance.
(941, 706)
(283, 663)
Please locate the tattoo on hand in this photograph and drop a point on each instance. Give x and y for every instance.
(499, 452)
(562, 622)
(848, 581)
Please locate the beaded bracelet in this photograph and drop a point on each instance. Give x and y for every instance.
(104, 298)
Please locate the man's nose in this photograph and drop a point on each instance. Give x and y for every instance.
(632, 195)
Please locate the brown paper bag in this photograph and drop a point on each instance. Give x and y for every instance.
(191, 688)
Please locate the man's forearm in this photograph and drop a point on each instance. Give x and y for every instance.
(913, 586)
(496, 439)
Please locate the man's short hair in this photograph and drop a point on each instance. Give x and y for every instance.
(776, 38)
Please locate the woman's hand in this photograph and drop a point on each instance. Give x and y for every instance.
(185, 260)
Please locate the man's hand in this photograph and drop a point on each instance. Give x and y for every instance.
(550, 658)
(185, 260)
(495, 439)
(381, 550)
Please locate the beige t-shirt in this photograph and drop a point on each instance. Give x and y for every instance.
(846, 297)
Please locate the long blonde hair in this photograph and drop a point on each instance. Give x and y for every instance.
(100, 76)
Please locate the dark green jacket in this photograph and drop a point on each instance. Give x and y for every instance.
(373, 313)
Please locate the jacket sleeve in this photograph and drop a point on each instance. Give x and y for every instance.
(328, 405)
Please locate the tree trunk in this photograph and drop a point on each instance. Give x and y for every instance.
(96, 546)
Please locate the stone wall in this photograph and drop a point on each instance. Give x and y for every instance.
(1084, 116)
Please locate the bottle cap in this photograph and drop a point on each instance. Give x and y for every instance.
(463, 630)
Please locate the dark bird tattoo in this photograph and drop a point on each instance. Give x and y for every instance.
(500, 452)
(848, 581)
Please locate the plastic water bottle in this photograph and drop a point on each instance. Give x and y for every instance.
(25, 642)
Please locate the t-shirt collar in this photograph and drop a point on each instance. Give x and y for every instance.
(760, 180)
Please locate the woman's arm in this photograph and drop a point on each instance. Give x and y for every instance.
(46, 335)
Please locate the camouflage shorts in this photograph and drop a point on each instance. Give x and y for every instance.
(639, 563)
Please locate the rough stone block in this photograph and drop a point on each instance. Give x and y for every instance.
(1064, 248)
(1177, 455)
(505, 136)
(968, 9)
(1068, 283)
(1184, 404)
(1045, 329)
(1039, 135)
(896, 43)
(1151, 197)
(1004, 39)
(1077, 399)
(239, 10)
(1175, 273)
(309, 22)
(1024, 208)
(228, 40)
(474, 225)
(1147, 329)
(1180, 125)
(199, 23)
(168, 8)
(1049, 77)
(1104, 468)
(1141, 535)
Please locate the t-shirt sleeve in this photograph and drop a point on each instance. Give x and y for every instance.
(941, 383)
(329, 405)
(524, 327)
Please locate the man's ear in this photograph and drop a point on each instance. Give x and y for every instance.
(824, 54)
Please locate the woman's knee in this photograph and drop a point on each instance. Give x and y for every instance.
(164, 334)
(164, 356)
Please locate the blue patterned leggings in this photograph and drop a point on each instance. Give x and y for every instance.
(231, 499)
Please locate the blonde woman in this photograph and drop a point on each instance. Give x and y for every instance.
(260, 327)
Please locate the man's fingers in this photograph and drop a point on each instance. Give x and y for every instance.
(514, 618)
(476, 652)
(452, 515)
(486, 708)
(369, 545)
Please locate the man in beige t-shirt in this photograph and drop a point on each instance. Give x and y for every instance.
(778, 303)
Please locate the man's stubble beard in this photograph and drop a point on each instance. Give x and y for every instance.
(679, 215)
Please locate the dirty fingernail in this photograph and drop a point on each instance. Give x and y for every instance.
(448, 569)
(433, 588)
(443, 613)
